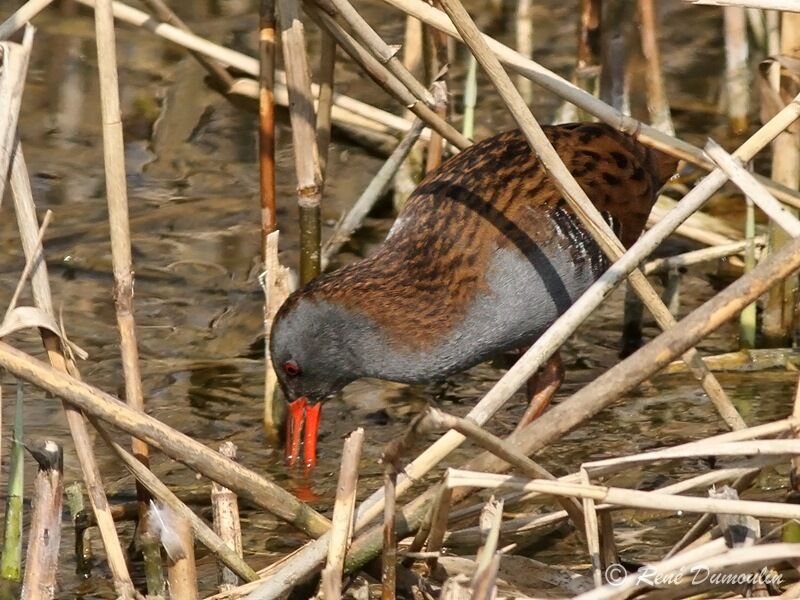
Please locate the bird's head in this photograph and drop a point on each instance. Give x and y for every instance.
(310, 348)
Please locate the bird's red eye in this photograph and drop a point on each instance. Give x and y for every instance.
(291, 368)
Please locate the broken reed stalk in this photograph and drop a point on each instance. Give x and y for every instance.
(487, 560)
(385, 79)
(28, 227)
(579, 202)
(166, 497)
(247, 484)
(389, 558)
(275, 282)
(11, 558)
(225, 507)
(737, 75)
(182, 570)
(306, 157)
(312, 555)
(778, 316)
(434, 61)
(343, 507)
(438, 525)
(44, 537)
(83, 551)
(22, 16)
(121, 258)
(327, 67)
(266, 120)
(371, 194)
(14, 59)
(164, 13)
(436, 143)
(657, 103)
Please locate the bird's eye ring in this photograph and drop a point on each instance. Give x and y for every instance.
(291, 368)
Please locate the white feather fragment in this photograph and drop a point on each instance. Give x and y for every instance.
(162, 524)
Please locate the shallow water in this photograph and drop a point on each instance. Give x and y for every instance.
(193, 186)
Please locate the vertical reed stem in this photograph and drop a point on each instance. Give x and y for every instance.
(327, 66)
(117, 197)
(301, 114)
(266, 119)
(778, 321)
(435, 60)
(182, 571)
(747, 320)
(470, 97)
(524, 31)
(11, 560)
(44, 539)
(226, 520)
(389, 565)
(657, 103)
(410, 171)
(736, 73)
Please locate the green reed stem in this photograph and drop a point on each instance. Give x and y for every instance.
(11, 561)
(747, 320)
(470, 97)
(310, 238)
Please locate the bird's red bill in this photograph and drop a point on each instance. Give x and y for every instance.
(302, 424)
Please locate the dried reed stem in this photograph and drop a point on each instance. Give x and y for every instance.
(785, 5)
(11, 557)
(623, 496)
(121, 259)
(663, 265)
(306, 157)
(211, 540)
(29, 265)
(275, 282)
(736, 68)
(657, 103)
(182, 571)
(487, 560)
(592, 532)
(342, 527)
(44, 538)
(389, 558)
(523, 29)
(327, 67)
(225, 507)
(21, 16)
(578, 200)
(266, 120)
(438, 524)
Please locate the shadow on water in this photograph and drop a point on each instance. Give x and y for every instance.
(193, 181)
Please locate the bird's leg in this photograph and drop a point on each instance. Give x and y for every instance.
(541, 388)
(294, 428)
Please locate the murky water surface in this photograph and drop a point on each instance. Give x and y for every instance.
(193, 182)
